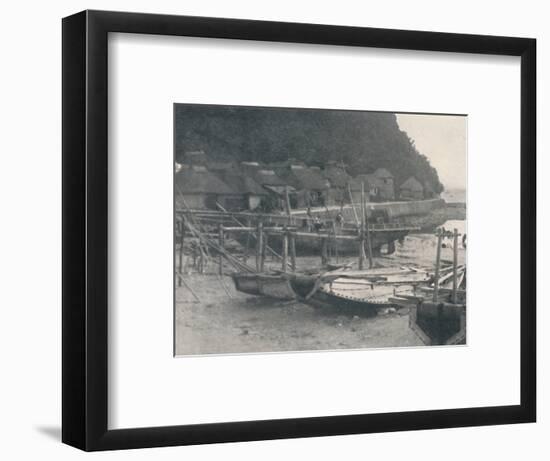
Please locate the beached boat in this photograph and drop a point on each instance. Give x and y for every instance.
(345, 243)
(270, 285)
(356, 292)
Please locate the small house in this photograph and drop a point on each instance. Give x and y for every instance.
(197, 188)
(338, 178)
(251, 193)
(272, 182)
(411, 189)
(385, 184)
(369, 184)
(310, 185)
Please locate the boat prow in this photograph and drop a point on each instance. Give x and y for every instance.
(270, 285)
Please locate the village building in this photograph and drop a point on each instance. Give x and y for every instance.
(310, 185)
(278, 187)
(251, 193)
(368, 182)
(384, 182)
(411, 189)
(336, 175)
(198, 188)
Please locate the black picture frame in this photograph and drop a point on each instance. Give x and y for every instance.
(85, 223)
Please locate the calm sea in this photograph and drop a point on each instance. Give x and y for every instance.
(454, 195)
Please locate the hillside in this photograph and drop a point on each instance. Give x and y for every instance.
(364, 141)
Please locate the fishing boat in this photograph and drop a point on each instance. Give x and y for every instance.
(357, 292)
(344, 243)
(270, 285)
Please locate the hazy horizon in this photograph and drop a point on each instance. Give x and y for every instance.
(443, 140)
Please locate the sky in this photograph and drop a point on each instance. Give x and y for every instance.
(443, 139)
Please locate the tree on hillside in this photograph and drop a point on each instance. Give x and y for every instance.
(363, 141)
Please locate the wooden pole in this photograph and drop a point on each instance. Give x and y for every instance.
(362, 232)
(287, 203)
(335, 242)
(246, 248)
(324, 251)
(352, 205)
(437, 263)
(455, 265)
(264, 248)
(259, 245)
(285, 249)
(292, 252)
(221, 246)
(369, 246)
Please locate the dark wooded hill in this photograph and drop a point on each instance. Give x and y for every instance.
(363, 141)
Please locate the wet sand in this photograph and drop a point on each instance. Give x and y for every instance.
(229, 322)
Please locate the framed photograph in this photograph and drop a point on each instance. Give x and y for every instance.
(279, 230)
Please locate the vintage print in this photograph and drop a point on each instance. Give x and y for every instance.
(302, 229)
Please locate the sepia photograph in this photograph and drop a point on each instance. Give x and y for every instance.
(299, 229)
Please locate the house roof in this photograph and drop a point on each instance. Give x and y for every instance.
(336, 175)
(198, 180)
(265, 176)
(382, 173)
(241, 183)
(412, 184)
(303, 178)
(368, 179)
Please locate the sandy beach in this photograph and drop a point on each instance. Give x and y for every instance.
(229, 322)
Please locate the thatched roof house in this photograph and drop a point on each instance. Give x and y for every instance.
(198, 188)
(303, 178)
(369, 182)
(411, 189)
(264, 176)
(251, 193)
(310, 185)
(336, 175)
(385, 184)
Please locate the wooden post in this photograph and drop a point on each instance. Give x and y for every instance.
(324, 252)
(362, 232)
(287, 203)
(335, 241)
(246, 248)
(264, 251)
(221, 246)
(369, 246)
(285, 248)
(437, 263)
(455, 264)
(259, 245)
(292, 251)
(352, 205)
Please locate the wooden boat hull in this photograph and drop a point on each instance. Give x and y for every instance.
(311, 244)
(323, 297)
(439, 323)
(272, 286)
